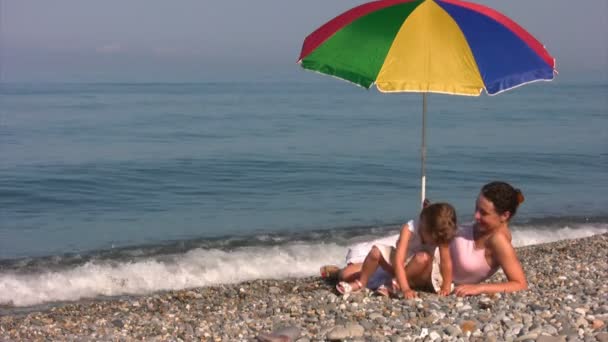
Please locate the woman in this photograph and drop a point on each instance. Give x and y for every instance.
(478, 250)
(483, 247)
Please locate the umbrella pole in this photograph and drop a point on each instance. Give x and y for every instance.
(423, 153)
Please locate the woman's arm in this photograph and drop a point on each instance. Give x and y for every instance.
(399, 262)
(504, 253)
(445, 267)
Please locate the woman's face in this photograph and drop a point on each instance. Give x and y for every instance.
(486, 216)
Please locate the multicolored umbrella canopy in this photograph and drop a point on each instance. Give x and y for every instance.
(439, 46)
(429, 46)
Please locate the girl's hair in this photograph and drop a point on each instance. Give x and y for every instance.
(503, 196)
(440, 222)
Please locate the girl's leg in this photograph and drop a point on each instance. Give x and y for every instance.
(418, 270)
(350, 272)
(370, 265)
(373, 259)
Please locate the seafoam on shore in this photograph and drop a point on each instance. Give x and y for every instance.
(142, 270)
(567, 300)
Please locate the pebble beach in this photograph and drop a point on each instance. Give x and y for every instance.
(567, 300)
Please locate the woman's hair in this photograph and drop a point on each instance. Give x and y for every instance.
(503, 196)
(440, 222)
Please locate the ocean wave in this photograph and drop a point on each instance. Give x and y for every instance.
(195, 268)
(208, 266)
(537, 234)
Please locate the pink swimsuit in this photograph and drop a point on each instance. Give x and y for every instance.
(469, 264)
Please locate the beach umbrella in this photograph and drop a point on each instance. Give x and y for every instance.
(427, 46)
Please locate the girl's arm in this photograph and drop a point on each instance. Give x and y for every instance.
(507, 259)
(399, 262)
(445, 267)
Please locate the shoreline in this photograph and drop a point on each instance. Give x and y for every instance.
(567, 299)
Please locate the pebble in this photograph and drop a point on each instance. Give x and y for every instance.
(367, 325)
(340, 332)
(549, 329)
(468, 326)
(602, 337)
(581, 322)
(572, 308)
(283, 334)
(485, 303)
(377, 317)
(597, 324)
(527, 337)
(433, 335)
(118, 323)
(545, 338)
(514, 330)
(452, 330)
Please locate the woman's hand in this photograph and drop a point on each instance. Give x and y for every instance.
(468, 290)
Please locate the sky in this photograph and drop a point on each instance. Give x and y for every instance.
(219, 40)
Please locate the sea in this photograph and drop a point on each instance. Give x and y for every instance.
(113, 189)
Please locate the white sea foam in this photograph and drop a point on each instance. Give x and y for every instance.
(200, 267)
(535, 234)
(195, 268)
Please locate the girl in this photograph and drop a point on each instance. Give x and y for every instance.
(436, 228)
